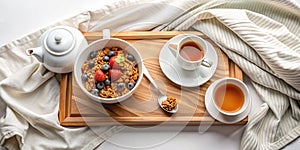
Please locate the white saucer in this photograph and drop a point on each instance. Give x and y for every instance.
(217, 115)
(182, 77)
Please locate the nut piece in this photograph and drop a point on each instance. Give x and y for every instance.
(169, 104)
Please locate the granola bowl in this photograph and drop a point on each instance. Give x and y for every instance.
(109, 70)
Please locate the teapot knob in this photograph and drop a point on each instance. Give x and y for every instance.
(57, 39)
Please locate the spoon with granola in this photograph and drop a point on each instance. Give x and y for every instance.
(168, 104)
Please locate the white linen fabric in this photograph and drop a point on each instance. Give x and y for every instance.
(262, 37)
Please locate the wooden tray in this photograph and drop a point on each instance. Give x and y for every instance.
(76, 109)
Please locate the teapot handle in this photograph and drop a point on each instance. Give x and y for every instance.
(106, 34)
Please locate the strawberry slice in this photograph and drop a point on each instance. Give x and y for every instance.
(116, 62)
(114, 74)
(113, 63)
(99, 76)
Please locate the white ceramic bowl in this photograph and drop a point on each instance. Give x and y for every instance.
(99, 45)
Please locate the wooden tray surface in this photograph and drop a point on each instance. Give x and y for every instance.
(76, 109)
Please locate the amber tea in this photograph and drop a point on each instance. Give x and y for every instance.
(229, 98)
(191, 51)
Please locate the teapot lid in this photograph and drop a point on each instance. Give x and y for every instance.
(59, 41)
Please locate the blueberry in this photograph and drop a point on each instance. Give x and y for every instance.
(111, 54)
(85, 77)
(91, 64)
(93, 54)
(96, 92)
(130, 57)
(106, 58)
(100, 85)
(107, 82)
(130, 85)
(105, 67)
(120, 86)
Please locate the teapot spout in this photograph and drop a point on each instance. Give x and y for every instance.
(37, 52)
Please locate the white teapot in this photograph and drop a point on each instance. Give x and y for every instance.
(58, 48)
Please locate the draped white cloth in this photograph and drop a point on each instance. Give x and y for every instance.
(262, 37)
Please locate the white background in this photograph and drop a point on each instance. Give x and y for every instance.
(18, 18)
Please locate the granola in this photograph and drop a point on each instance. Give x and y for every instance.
(110, 72)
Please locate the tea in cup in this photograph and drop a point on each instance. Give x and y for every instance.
(190, 52)
(230, 96)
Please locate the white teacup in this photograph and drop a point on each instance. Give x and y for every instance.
(190, 52)
(230, 97)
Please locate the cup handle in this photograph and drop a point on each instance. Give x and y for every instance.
(172, 48)
(105, 33)
(206, 63)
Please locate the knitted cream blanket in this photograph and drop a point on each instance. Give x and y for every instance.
(262, 37)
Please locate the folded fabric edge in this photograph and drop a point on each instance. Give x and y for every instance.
(100, 139)
(288, 138)
(12, 139)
